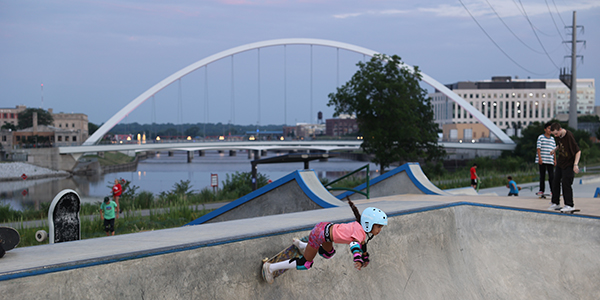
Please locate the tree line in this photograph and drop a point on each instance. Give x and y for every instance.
(189, 129)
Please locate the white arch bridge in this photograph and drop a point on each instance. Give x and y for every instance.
(94, 138)
(334, 145)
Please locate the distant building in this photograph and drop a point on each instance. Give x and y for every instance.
(341, 126)
(586, 100)
(303, 131)
(512, 103)
(74, 122)
(465, 133)
(6, 139)
(9, 115)
(68, 129)
(47, 136)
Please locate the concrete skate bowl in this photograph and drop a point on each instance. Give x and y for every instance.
(405, 179)
(298, 191)
(456, 251)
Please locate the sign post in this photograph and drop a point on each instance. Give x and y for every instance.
(214, 182)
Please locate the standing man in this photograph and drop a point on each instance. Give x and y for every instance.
(567, 161)
(474, 176)
(546, 161)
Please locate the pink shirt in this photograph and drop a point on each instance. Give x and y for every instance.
(346, 233)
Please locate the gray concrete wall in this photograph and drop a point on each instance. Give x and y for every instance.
(461, 252)
(50, 158)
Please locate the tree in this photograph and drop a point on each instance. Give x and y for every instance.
(588, 119)
(393, 112)
(92, 128)
(527, 143)
(26, 117)
(192, 131)
(9, 126)
(585, 150)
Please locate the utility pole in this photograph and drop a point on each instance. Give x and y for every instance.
(570, 80)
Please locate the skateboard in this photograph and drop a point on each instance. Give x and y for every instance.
(9, 239)
(285, 254)
(543, 196)
(567, 212)
(570, 212)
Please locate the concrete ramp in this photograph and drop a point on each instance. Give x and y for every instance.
(449, 251)
(405, 179)
(298, 191)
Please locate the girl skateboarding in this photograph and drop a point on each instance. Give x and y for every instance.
(321, 239)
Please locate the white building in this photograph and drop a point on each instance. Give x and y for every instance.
(512, 104)
(586, 100)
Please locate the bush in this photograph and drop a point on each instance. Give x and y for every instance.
(9, 214)
(240, 183)
(144, 200)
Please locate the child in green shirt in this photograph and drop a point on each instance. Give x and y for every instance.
(108, 213)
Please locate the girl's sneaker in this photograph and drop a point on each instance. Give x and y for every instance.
(296, 243)
(266, 272)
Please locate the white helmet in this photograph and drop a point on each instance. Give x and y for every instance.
(370, 216)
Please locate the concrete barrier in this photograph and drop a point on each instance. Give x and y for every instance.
(452, 251)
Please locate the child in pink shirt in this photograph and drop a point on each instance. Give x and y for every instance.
(323, 236)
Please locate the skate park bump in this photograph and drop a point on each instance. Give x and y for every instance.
(405, 179)
(298, 191)
(454, 251)
(302, 190)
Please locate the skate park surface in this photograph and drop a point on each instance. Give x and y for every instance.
(435, 247)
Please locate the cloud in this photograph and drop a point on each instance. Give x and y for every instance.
(344, 16)
(481, 8)
(165, 10)
(370, 12)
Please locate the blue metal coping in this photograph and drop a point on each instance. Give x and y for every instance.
(265, 189)
(405, 167)
(180, 248)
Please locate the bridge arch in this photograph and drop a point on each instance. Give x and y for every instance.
(114, 120)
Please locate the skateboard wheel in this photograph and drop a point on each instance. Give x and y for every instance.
(41, 235)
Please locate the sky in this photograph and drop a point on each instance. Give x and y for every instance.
(94, 57)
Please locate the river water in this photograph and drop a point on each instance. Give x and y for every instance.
(160, 173)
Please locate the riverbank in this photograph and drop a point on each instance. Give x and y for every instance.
(13, 171)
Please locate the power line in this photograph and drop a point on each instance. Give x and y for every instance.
(553, 21)
(537, 37)
(498, 46)
(558, 13)
(524, 13)
(505, 25)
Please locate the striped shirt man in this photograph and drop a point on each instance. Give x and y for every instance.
(545, 144)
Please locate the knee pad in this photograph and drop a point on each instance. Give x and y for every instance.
(325, 254)
(302, 263)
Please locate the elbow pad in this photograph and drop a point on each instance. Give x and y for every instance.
(357, 252)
